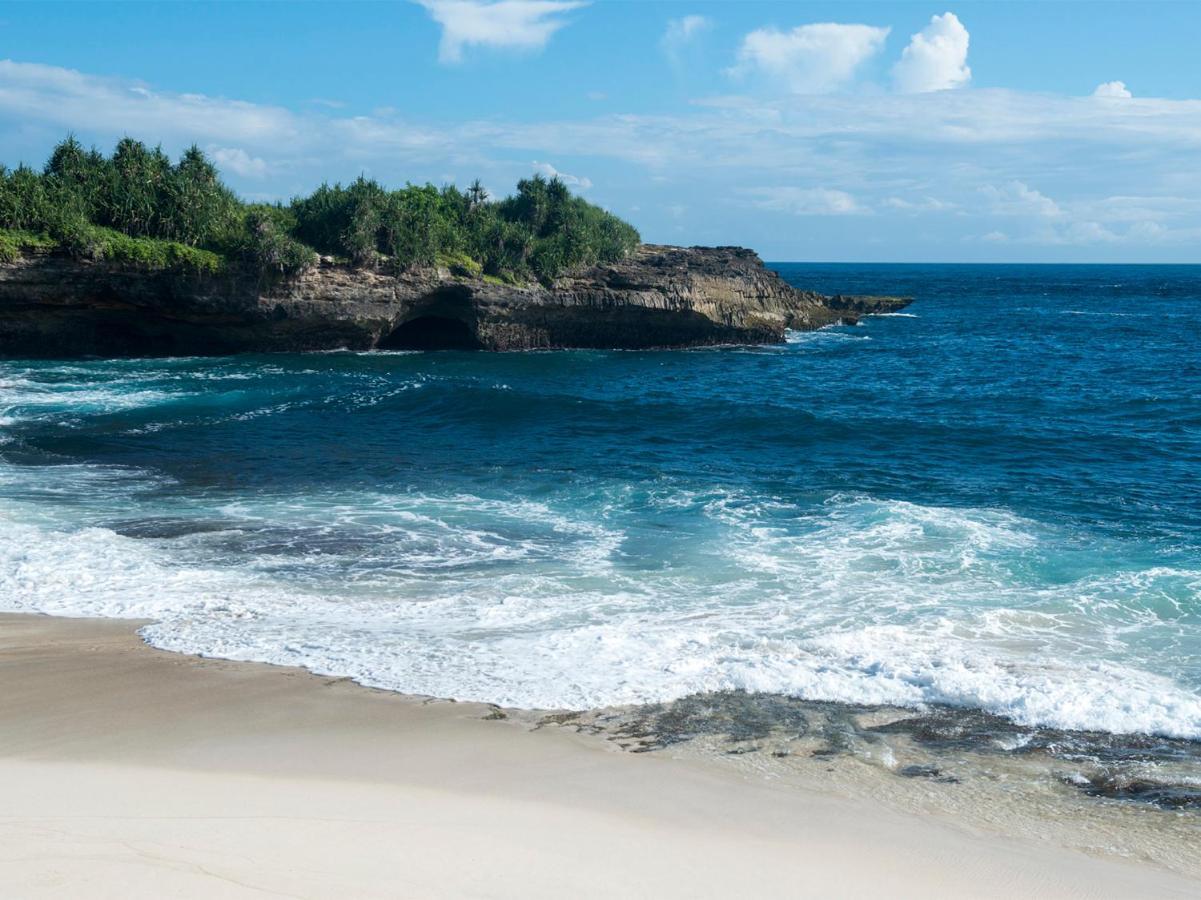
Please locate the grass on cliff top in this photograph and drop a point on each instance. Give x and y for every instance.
(459, 264)
(97, 243)
(151, 254)
(14, 243)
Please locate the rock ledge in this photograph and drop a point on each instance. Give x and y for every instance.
(53, 306)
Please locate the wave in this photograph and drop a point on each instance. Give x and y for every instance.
(549, 605)
(826, 335)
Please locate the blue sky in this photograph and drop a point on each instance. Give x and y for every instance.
(813, 131)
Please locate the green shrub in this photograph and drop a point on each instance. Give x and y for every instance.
(137, 208)
(459, 264)
(14, 244)
(266, 246)
(94, 242)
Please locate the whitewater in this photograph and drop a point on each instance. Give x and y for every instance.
(990, 501)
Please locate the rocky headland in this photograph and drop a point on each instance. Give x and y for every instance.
(52, 305)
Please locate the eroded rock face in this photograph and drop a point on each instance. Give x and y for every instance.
(52, 306)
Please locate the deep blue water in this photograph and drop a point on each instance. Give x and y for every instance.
(993, 499)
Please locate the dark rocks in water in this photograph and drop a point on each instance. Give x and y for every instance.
(733, 715)
(969, 740)
(947, 728)
(932, 772)
(54, 306)
(166, 528)
(1114, 786)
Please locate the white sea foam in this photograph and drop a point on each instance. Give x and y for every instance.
(522, 603)
(825, 335)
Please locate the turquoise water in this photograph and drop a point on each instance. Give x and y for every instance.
(992, 500)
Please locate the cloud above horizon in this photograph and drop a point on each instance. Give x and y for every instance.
(1019, 199)
(1040, 169)
(935, 59)
(549, 171)
(798, 201)
(238, 161)
(681, 33)
(810, 59)
(1116, 90)
(507, 24)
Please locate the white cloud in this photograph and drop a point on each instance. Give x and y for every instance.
(809, 59)
(78, 101)
(921, 204)
(1019, 199)
(806, 201)
(1116, 90)
(936, 58)
(1126, 167)
(238, 161)
(545, 168)
(680, 33)
(1039, 220)
(515, 24)
(1089, 233)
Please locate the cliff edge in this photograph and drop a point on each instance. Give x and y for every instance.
(55, 306)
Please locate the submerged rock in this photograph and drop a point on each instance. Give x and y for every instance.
(54, 306)
(1117, 786)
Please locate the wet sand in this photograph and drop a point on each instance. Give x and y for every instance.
(131, 772)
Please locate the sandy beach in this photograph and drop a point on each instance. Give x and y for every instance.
(131, 772)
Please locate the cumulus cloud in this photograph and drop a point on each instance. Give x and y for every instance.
(1114, 89)
(806, 201)
(545, 168)
(514, 24)
(936, 58)
(238, 161)
(919, 205)
(75, 100)
(1019, 199)
(1088, 233)
(1036, 167)
(1037, 220)
(680, 34)
(809, 59)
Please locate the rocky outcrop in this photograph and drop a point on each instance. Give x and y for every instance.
(51, 305)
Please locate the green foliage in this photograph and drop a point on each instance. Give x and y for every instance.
(14, 244)
(199, 208)
(96, 242)
(266, 244)
(139, 208)
(459, 263)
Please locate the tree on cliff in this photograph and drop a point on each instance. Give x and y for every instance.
(96, 206)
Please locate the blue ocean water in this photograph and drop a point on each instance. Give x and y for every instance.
(991, 500)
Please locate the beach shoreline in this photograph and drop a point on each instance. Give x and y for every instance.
(131, 771)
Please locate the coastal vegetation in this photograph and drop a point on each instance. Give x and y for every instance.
(138, 208)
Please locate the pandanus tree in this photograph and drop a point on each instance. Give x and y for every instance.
(138, 192)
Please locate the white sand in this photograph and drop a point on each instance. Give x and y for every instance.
(129, 772)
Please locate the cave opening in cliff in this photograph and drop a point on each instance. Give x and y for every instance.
(432, 333)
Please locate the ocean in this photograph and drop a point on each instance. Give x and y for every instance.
(991, 501)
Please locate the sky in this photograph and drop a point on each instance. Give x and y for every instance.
(890, 131)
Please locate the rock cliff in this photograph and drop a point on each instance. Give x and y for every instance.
(54, 306)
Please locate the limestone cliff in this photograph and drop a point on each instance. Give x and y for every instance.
(51, 305)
